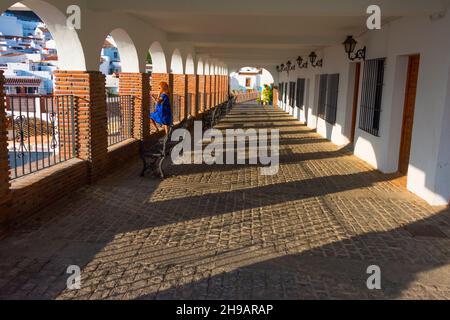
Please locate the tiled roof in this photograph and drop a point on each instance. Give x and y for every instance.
(13, 54)
(20, 81)
(43, 29)
(50, 58)
(108, 44)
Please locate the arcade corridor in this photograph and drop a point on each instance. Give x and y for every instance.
(210, 232)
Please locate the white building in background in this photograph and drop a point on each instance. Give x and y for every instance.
(20, 23)
(41, 32)
(10, 25)
(28, 54)
(250, 79)
(110, 65)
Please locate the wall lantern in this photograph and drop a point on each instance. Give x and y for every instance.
(301, 64)
(289, 66)
(313, 59)
(350, 46)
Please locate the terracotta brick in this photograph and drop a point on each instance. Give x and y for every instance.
(208, 82)
(54, 182)
(219, 89)
(201, 91)
(213, 91)
(138, 86)
(91, 120)
(179, 84)
(218, 99)
(275, 97)
(192, 84)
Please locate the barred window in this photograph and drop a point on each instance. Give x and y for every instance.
(300, 93)
(328, 97)
(291, 94)
(371, 95)
(281, 87)
(285, 92)
(322, 95)
(332, 98)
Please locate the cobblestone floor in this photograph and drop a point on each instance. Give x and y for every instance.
(226, 232)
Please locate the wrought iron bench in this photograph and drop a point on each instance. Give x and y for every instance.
(157, 158)
(213, 116)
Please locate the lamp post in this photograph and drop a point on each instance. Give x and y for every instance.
(350, 46)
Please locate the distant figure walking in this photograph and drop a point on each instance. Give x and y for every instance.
(163, 113)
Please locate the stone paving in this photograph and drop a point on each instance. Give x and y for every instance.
(226, 232)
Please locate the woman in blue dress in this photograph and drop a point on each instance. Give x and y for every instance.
(163, 112)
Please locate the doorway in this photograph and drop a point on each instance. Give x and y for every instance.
(408, 114)
(355, 100)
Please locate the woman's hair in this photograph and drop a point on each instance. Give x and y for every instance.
(164, 87)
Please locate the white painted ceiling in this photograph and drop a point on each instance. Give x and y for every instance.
(259, 32)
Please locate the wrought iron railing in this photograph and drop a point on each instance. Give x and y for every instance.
(120, 112)
(41, 132)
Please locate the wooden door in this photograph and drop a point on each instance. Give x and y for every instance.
(355, 100)
(408, 114)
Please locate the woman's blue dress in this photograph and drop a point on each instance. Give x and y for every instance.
(163, 113)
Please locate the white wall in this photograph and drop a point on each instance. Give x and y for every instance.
(431, 41)
(10, 27)
(429, 170)
(237, 82)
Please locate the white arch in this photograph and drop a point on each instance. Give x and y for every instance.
(190, 66)
(70, 51)
(266, 76)
(176, 65)
(129, 59)
(207, 69)
(212, 69)
(200, 67)
(158, 58)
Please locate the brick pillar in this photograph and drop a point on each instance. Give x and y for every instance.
(208, 91)
(201, 91)
(192, 83)
(5, 191)
(217, 89)
(227, 88)
(179, 91)
(88, 87)
(224, 88)
(275, 97)
(138, 86)
(218, 98)
(220, 87)
(213, 91)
